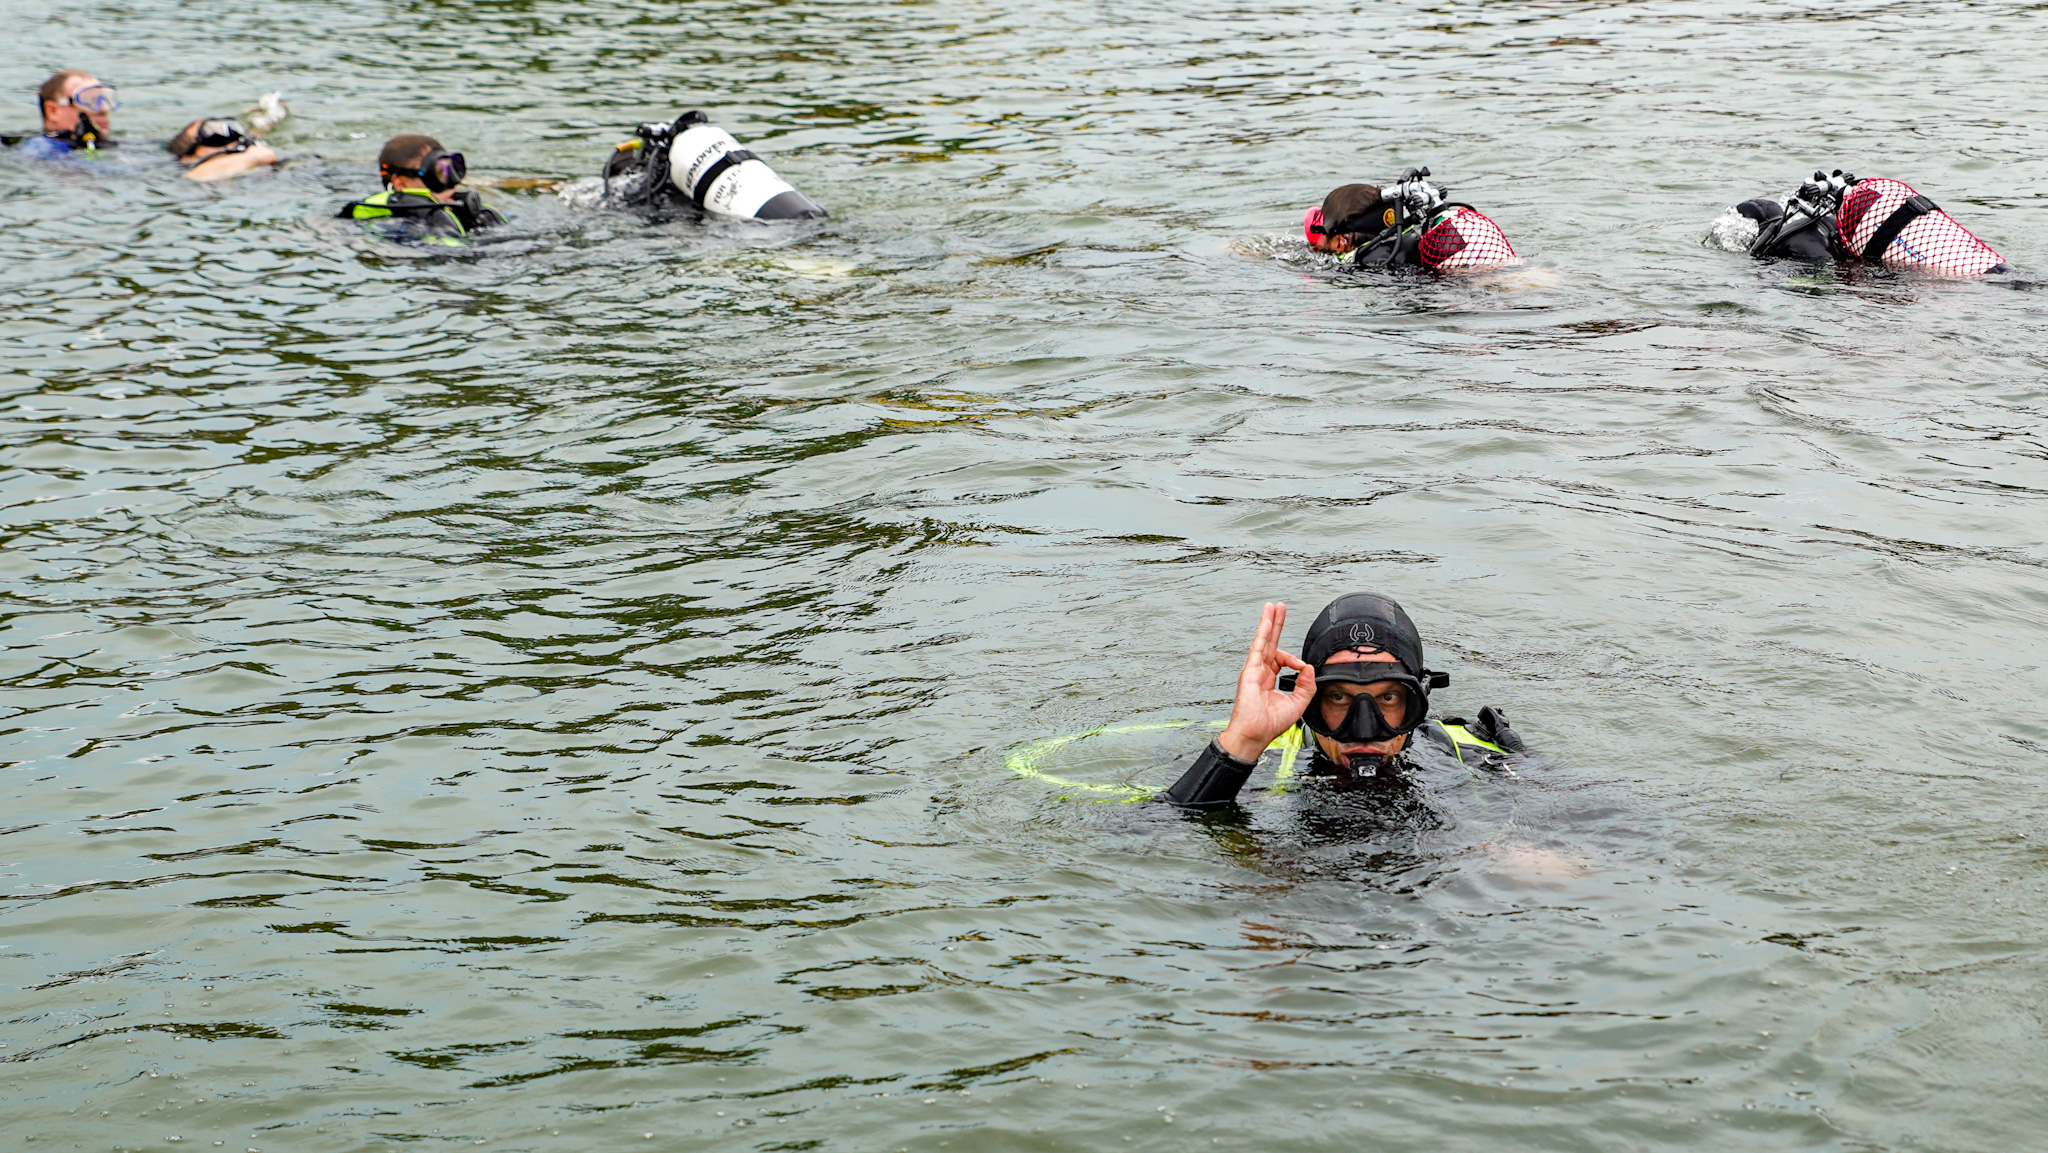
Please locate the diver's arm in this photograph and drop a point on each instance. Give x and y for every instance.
(1259, 714)
(222, 165)
(1212, 782)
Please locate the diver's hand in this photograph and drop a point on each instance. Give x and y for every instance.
(469, 207)
(1259, 714)
(1493, 726)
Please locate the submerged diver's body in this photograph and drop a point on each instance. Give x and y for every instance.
(1877, 221)
(692, 167)
(1410, 225)
(218, 148)
(422, 201)
(1357, 719)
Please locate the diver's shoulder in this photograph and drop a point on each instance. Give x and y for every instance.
(1487, 734)
(42, 148)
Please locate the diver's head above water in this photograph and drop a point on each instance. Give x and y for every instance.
(75, 105)
(1347, 218)
(1359, 685)
(1371, 687)
(1331, 716)
(417, 164)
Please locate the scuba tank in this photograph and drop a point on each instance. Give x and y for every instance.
(1876, 221)
(1426, 229)
(695, 161)
(1883, 221)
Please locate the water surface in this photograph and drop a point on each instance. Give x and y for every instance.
(560, 694)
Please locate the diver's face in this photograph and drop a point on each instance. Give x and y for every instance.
(1334, 699)
(61, 115)
(1332, 244)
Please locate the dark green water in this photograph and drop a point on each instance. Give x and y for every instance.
(557, 698)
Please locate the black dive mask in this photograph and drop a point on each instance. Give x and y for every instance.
(441, 171)
(219, 132)
(1366, 721)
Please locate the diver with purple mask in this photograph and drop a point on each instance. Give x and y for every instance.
(1355, 700)
(423, 201)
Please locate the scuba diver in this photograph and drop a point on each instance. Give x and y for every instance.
(1876, 221)
(1411, 225)
(693, 166)
(77, 113)
(1358, 702)
(421, 201)
(218, 147)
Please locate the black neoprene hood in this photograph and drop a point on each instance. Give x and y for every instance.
(1364, 621)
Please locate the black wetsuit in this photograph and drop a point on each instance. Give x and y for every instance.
(1390, 249)
(1812, 241)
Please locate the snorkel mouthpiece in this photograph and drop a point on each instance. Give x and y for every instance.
(1365, 764)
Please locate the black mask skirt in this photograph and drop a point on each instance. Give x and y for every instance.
(441, 171)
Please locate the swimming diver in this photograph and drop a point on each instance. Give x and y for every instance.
(1362, 695)
(1410, 225)
(692, 166)
(77, 113)
(218, 147)
(422, 201)
(1835, 216)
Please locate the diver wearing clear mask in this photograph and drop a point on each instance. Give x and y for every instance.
(77, 113)
(1359, 699)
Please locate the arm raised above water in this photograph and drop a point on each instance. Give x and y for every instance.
(1258, 716)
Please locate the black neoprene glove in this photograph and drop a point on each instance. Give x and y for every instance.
(469, 209)
(1493, 726)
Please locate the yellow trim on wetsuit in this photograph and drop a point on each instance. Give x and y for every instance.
(1462, 736)
(372, 207)
(1290, 744)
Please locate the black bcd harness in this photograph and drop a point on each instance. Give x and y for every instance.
(1399, 245)
(1913, 209)
(648, 156)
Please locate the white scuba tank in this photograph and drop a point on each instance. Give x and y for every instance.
(707, 165)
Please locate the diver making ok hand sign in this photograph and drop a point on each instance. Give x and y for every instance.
(1362, 694)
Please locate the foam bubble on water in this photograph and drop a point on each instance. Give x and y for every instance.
(1731, 232)
(817, 268)
(585, 193)
(1287, 249)
(268, 112)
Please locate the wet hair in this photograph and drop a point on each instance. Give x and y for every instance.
(53, 88)
(186, 142)
(1353, 210)
(402, 154)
